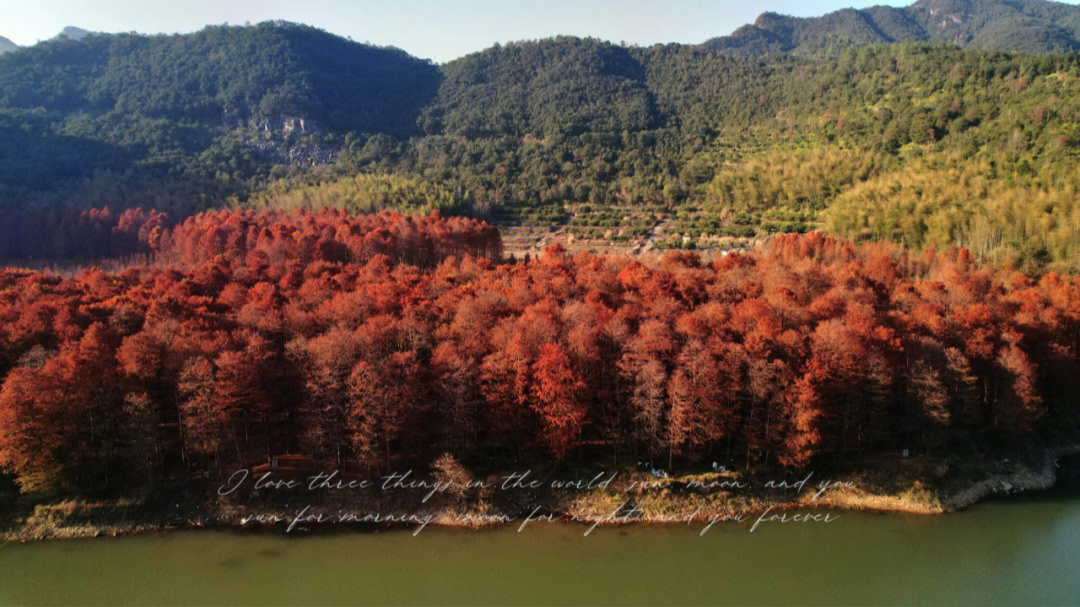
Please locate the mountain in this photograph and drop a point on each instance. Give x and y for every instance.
(73, 33)
(559, 85)
(6, 46)
(224, 75)
(1033, 26)
(915, 141)
(166, 113)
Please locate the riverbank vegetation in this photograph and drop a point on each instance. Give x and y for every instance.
(264, 244)
(377, 342)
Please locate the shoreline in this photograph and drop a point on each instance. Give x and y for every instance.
(72, 519)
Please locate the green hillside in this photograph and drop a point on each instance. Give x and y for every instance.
(149, 113)
(1032, 26)
(670, 145)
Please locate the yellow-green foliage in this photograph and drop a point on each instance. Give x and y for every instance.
(1001, 212)
(360, 193)
(800, 179)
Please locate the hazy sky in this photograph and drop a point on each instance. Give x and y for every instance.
(439, 30)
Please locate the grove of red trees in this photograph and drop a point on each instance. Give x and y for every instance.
(81, 237)
(382, 340)
(52, 236)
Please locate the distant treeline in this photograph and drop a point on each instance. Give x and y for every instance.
(49, 235)
(86, 237)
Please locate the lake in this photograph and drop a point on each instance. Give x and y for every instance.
(1015, 551)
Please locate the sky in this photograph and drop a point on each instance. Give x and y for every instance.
(432, 29)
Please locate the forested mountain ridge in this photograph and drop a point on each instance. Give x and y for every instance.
(565, 85)
(223, 75)
(116, 116)
(7, 46)
(73, 33)
(1033, 26)
(666, 146)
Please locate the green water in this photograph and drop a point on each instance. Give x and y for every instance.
(1022, 551)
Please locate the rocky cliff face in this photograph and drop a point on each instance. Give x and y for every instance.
(284, 124)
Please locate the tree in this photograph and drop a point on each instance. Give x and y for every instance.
(457, 477)
(1018, 405)
(238, 395)
(648, 405)
(203, 428)
(327, 361)
(383, 398)
(803, 435)
(701, 405)
(459, 396)
(30, 439)
(559, 400)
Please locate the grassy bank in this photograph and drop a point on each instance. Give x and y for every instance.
(630, 496)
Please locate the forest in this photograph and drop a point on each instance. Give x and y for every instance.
(911, 140)
(822, 241)
(364, 342)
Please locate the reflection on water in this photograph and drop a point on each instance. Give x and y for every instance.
(1021, 550)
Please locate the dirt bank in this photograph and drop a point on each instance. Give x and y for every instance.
(637, 498)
